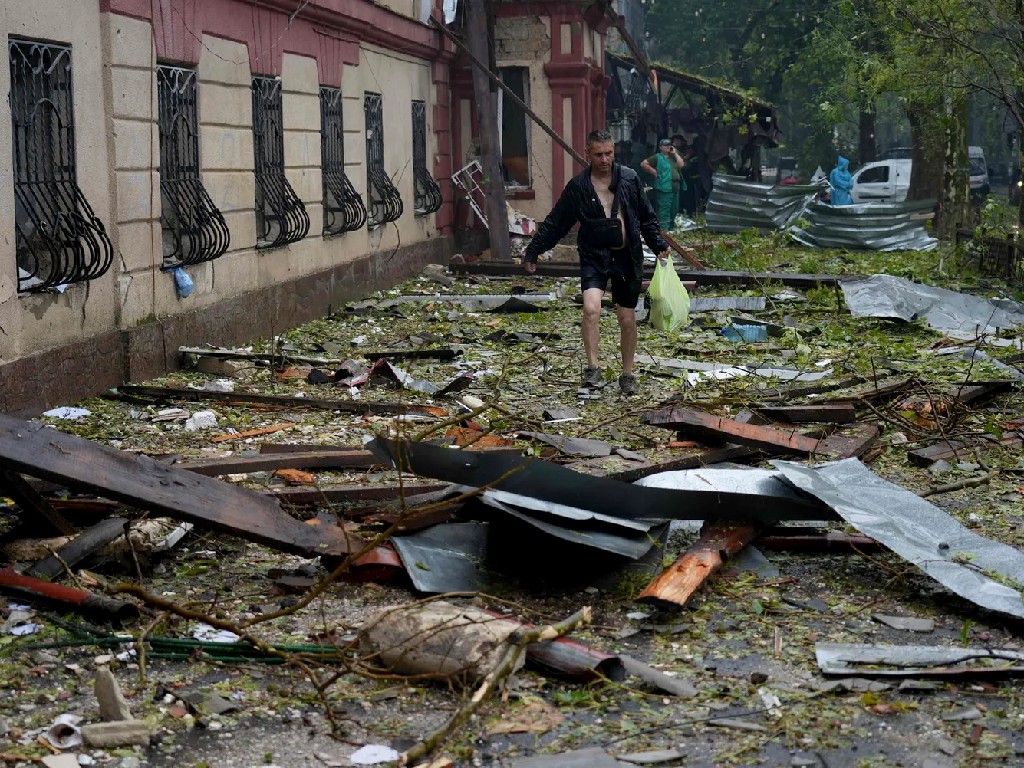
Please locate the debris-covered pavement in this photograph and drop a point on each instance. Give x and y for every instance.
(226, 566)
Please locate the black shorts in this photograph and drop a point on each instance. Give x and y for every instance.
(625, 290)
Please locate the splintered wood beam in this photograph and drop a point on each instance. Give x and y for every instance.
(681, 580)
(859, 441)
(707, 427)
(839, 413)
(265, 462)
(34, 449)
(31, 502)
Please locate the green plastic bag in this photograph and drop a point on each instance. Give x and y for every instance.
(670, 303)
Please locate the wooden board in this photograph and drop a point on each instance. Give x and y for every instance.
(681, 580)
(34, 449)
(839, 413)
(708, 427)
(269, 462)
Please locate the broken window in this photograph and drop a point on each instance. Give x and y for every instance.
(58, 239)
(385, 203)
(193, 228)
(515, 129)
(428, 194)
(343, 208)
(281, 217)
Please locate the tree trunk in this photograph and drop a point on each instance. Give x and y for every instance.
(926, 151)
(868, 150)
(479, 39)
(955, 200)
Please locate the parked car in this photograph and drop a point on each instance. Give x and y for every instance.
(883, 181)
(978, 175)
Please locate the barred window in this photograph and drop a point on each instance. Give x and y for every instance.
(385, 203)
(428, 194)
(343, 207)
(194, 230)
(58, 239)
(281, 217)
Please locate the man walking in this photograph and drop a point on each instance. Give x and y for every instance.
(665, 166)
(608, 201)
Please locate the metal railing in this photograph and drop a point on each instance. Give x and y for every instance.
(385, 202)
(427, 198)
(281, 217)
(58, 238)
(343, 207)
(194, 230)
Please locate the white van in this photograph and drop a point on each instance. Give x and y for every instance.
(884, 181)
(978, 174)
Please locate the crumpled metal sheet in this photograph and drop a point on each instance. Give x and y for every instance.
(915, 660)
(941, 309)
(737, 204)
(866, 226)
(918, 531)
(550, 482)
(763, 482)
(443, 558)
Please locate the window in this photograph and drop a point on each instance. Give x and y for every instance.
(194, 230)
(58, 239)
(385, 203)
(281, 217)
(876, 175)
(515, 128)
(428, 194)
(343, 208)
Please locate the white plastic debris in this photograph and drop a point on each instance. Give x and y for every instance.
(220, 385)
(68, 413)
(207, 634)
(201, 420)
(65, 733)
(26, 629)
(372, 754)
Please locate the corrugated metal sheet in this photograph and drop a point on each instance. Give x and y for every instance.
(737, 204)
(866, 226)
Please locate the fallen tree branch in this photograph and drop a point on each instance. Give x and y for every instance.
(970, 482)
(517, 646)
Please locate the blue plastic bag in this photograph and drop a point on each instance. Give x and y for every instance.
(670, 303)
(183, 283)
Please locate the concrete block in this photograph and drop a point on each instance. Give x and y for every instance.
(125, 733)
(225, 105)
(231, 190)
(225, 148)
(302, 149)
(301, 111)
(136, 145)
(136, 190)
(131, 42)
(113, 706)
(133, 93)
(223, 61)
(299, 74)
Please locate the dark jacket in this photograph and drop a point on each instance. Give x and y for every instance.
(579, 203)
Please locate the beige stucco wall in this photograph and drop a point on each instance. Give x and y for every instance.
(41, 321)
(115, 103)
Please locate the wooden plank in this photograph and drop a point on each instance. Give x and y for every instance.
(707, 426)
(838, 413)
(851, 442)
(706, 277)
(958, 450)
(299, 497)
(833, 541)
(198, 395)
(306, 448)
(36, 450)
(717, 543)
(272, 461)
(31, 501)
(252, 432)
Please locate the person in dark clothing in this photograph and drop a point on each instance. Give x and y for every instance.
(615, 217)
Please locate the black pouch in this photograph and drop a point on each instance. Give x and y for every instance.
(607, 233)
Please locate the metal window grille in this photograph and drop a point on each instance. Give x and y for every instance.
(281, 217)
(194, 230)
(343, 207)
(58, 239)
(428, 193)
(385, 203)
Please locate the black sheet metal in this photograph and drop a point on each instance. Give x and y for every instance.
(445, 558)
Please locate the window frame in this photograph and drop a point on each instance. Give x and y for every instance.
(383, 200)
(192, 227)
(344, 210)
(527, 128)
(427, 194)
(276, 201)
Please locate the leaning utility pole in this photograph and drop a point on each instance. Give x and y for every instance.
(479, 36)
